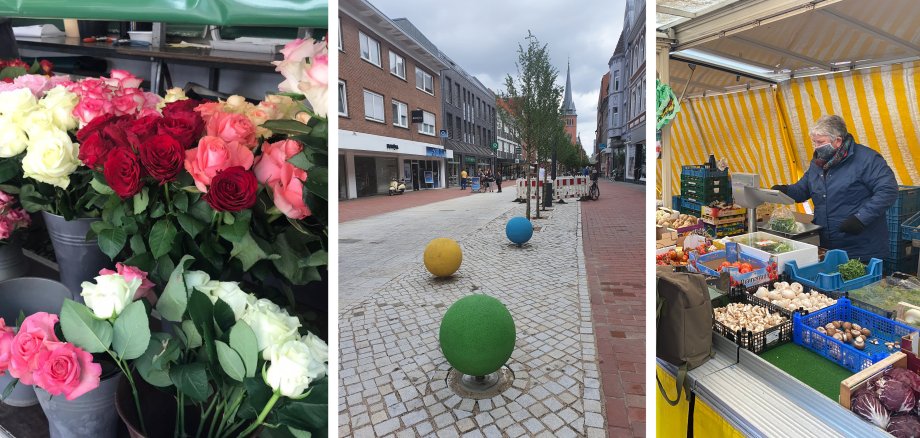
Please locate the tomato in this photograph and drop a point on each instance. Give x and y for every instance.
(746, 266)
(724, 264)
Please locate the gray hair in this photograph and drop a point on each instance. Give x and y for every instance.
(832, 126)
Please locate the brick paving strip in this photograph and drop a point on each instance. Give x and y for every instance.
(393, 375)
(361, 208)
(613, 229)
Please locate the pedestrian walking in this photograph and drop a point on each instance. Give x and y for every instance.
(498, 180)
(463, 176)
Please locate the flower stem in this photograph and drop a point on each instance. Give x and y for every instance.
(204, 416)
(226, 427)
(268, 407)
(137, 401)
(168, 201)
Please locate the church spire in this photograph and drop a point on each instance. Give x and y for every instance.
(568, 105)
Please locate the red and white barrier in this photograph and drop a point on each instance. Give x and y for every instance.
(566, 187)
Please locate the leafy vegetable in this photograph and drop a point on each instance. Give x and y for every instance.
(852, 269)
(904, 426)
(897, 396)
(783, 225)
(782, 247)
(868, 406)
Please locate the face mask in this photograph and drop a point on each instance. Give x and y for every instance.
(824, 151)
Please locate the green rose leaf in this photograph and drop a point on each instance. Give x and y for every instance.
(243, 340)
(191, 225)
(141, 200)
(318, 258)
(143, 261)
(158, 345)
(82, 329)
(236, 230)
(309, 413)
(191, 333)
(111, 241)
(230, 361)
(99, 185)
(132, 331)
(158, 211)
(289, 127)
(248, 251)
(201, 311)
(223, 315)
(180, 200)
(174, 300)
(9, 169)
(290, 245)
(301, 161)
(165, 266)
(257, 396)
(137, 244)
(162, 237)
(192, 380)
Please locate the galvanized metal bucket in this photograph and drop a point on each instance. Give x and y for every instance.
(91, 415)
(78, 259)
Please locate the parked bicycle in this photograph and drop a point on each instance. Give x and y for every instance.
(594, 191)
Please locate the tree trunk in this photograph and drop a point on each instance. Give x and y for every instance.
(527, 182)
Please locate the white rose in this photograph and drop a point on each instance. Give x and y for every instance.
(292, 369)
(37, 122)
(17, 101)
(109, 296)
(272, 325)
(51, 158)
(316, 96)
(174, 94)
(230, 293)
(194, 279)
(13, 139)
(60, 103)
(317, 346)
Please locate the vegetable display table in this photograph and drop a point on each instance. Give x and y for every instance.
(756, 399)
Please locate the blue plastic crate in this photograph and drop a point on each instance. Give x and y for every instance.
(910, 229)
(690, 207)
(675, 202)
(702, 171)
(907, 204)
(732, 254)
(805, 333)
(825, 277)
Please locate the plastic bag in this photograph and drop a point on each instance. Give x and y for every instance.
(782, 220)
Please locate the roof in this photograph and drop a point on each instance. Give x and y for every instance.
(468, 149)
(413, 31)
(371, 17)
(568, 105)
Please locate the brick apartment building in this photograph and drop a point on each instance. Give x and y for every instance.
(389, 106)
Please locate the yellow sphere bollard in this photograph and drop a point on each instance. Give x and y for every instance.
(443, 257)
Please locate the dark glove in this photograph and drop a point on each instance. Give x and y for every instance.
(852, 225)
(781, 187)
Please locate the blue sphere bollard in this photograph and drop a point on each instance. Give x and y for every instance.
(519, 230)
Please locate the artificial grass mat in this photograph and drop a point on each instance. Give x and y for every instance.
(811, 369)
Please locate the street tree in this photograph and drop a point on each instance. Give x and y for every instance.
(533, 100)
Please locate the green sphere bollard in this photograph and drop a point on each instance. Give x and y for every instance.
(477, 335)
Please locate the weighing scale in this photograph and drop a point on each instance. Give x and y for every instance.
(747, 193)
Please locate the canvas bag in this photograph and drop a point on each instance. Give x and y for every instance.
(684, 324)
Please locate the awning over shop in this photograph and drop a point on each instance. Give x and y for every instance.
(468, 149)
(290, 13)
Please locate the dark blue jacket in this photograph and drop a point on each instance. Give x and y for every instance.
(862, 184)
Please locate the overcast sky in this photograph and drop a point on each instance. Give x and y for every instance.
(482, 36)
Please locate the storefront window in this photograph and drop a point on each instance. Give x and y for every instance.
(373, 174)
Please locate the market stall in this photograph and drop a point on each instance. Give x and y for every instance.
(163, 255)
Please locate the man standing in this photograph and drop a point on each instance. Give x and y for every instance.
(463, 180)
(498, 180)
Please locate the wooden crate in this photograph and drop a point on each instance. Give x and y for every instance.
(858, 380)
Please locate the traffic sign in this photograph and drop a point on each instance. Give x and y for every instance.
(443, 133)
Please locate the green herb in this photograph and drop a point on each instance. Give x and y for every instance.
(782, 247)
(852, 269)
(783, 225)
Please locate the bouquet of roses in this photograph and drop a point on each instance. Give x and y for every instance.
(12, 68)
(12, 218)
(240, 361)
(34, 355)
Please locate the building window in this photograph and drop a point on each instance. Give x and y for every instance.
(341, 46)
(616, 80)
(458, 94)
(373, 107)
(400, 114)
(370, 49)
(343, 100)
(427, 126)
(459, 127)
(397, 65)
(424, 81)
(450, 94)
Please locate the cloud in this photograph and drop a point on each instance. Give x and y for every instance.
(482, 36)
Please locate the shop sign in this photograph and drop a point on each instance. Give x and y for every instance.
(392, 146)
(429, 177)
(435, 152)
(469, 160)
(517, 150)
(494, 146)
(443, 133)
(418, 116)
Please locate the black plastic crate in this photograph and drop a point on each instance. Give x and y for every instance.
(755, 342)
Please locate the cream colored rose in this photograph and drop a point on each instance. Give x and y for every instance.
(172, 95)
(17, 102)
(237, 104)
(292, 368)
(13, 139)
(51, 157)
(272, 325)
(194, 279)
(316, 96)
(60, 104)
(37, 122)
(317, 346)
(230, 293)
(109, 296)
(302, 117)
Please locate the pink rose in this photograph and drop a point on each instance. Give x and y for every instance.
(124, 79)
(9, 86)
(38, 84)
(302, 48)
(20, 217)
(208, 110)
(232, 128)
(319, 70)
(36, 331)
(124, 104)
(66, 369)
(6, 340)
(88, 109)
(274, 157)
(6, 228)
(60, 80)
(130, 273)
(212, 155)
(293, 71)
(287, 192)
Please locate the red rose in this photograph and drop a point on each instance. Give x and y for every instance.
(232, 189)
(180, 106)
(115, 133)
(123, 172)
(46, 66)
(93, 151)
(183, 126)
(163, 157)
(97, 124)
(140, 130)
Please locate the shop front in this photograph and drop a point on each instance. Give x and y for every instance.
(635, 163)
(471, 158)
(368, 163)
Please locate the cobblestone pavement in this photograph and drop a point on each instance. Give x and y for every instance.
(361, 208)
(614, 236)
(393, 375)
